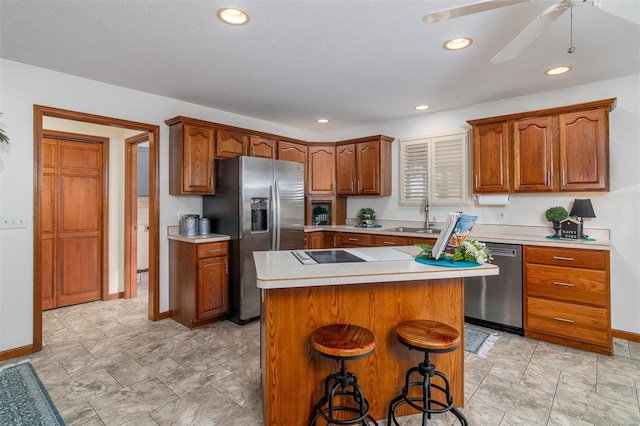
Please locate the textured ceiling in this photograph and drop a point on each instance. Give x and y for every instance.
(353, 62)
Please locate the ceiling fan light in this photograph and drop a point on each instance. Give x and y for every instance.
(233, 16)
(558, 70)
(457, 43)
(421, 107)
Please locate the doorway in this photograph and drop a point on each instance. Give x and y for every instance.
(152, 132)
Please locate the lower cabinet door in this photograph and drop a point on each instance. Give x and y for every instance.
(212, 296)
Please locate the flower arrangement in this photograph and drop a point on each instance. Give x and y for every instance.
(469, 251)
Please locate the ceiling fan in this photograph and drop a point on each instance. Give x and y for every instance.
(538, 25)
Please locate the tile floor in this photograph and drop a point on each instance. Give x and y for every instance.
(104, 363)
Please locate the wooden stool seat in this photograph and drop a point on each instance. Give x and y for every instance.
(345, 341)
(429, 336)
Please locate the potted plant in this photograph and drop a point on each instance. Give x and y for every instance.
(319, 215)
(555, 215)
(367, 216)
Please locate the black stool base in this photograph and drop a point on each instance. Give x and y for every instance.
(337, 385)
(425, 402)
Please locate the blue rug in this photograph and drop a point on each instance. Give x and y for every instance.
(23, 399)
(477, 341)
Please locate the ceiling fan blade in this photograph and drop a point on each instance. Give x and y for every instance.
(530, 33)
(629, 10)
(454, 12)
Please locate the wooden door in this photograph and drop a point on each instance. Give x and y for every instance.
(322, 162)
(72, 222)
(197, 167)
(368, 167)
(294, 152)
(490, 157)
(212, 294)
(230, 144)
(262, 147)
(533, 154)
(584, 147)
(346, 176)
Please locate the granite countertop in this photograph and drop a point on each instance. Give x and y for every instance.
(173, 233)
(507, 234)
(281, 269)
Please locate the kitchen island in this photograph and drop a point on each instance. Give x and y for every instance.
(297, 299)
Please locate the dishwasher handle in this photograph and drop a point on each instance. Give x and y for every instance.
(499, 251)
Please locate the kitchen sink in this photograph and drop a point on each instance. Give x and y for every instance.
(418, 230)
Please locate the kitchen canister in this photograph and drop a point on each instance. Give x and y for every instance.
(189, 225)
(205, 226)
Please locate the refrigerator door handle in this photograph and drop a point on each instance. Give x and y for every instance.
(276, 226)
(273, 216)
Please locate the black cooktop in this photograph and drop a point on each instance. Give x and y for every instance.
(333, 256)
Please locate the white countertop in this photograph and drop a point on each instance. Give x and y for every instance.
(280, 269)
(173, 233)
(507, 234)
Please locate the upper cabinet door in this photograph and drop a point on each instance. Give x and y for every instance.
(190, 159)
(230, 144)
(262, 147)
(289, 151)
(491, 157)
(533, 154)
(322, 176)
(368, 167)
(584, 150)
(346, 176)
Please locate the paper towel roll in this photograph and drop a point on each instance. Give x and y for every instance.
(493, 199)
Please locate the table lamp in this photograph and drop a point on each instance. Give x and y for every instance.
(582, 208)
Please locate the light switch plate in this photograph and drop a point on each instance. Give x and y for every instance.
(13, 222)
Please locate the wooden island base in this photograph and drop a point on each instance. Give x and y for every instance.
(293, 374)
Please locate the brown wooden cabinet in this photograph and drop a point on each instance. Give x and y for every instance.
(289, 151)
(337, 207)
(557, 149)
(331, 239)
(263, 147)
(321, 165)
(231, 143)
(352, 239)
(198, 282)
(390, 240)
(314, 240)
(491, 157)
(567, 297)
(363, 166)
(584, 150)
(190, 158)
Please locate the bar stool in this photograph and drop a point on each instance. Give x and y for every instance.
(342, 342)
(428, 337)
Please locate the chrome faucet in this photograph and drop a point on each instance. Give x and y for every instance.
(427, 224)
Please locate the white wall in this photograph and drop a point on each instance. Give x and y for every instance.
(617, 210)
(22, 86)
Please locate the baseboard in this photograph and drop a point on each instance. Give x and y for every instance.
(16, 352)
(163, 315)
(626, 335)
(114, 296)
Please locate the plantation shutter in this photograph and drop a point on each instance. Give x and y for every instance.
(434, 168)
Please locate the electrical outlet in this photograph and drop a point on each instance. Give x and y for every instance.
(13, 222)
(501, 215)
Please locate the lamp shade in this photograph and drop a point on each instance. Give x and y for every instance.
(582, 208)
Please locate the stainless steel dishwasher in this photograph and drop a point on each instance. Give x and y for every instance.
(496, 301)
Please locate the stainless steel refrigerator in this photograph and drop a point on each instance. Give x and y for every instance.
(259, 202)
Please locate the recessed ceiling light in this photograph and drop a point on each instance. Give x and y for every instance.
(233, 16)
(457, 43)
(322, 120)
(558, 70)
(421, 107)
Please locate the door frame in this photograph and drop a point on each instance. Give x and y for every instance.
(131, 213)
(39, 112)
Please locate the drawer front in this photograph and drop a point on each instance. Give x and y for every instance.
(572, 285)
(579, 322)
(422, 240)
(356, 240)
(575, 258)
(212, 249)
(388, 240)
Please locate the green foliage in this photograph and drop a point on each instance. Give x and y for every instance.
(3, 136)
(319, 210)
(556, 214)
(366, 213)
